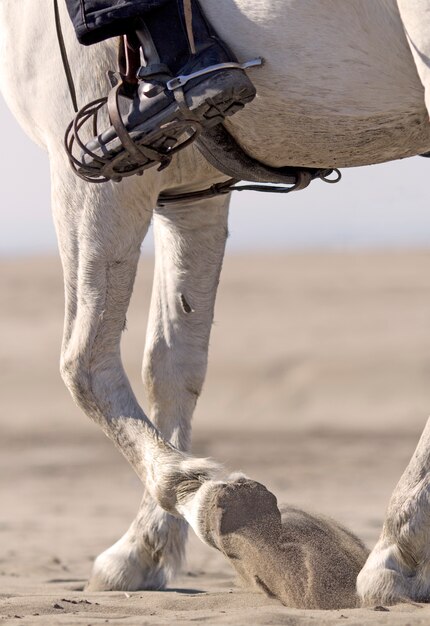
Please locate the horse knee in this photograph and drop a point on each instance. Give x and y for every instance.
(76, 377)
(89, 383)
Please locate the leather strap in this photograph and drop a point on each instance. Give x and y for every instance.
(221, 189)
(135, 151)
(226, 155)
(65, 60)
(129, 59)
(188, 14)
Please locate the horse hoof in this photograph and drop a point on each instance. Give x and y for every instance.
(303, 560)
(242, 520)
(120, 568)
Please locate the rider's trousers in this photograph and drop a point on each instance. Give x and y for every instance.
(95, 20)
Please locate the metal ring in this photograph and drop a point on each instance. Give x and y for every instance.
(332, 181)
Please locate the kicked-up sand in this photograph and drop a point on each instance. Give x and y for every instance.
(318, 387)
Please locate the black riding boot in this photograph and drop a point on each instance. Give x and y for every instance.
(180, 91)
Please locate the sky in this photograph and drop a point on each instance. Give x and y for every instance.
(378, 206)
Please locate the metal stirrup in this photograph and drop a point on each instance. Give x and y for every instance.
(181, 80)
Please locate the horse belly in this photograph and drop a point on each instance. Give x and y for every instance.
(339, 87)
(287, 139)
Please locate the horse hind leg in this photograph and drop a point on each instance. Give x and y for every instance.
(398, 568)
(190, 246)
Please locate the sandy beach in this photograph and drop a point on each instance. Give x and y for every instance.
(318, 386)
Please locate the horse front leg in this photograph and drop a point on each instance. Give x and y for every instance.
(190, 243)
(398, 568)
(100, 230)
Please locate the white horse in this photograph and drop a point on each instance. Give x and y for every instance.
(344, 84)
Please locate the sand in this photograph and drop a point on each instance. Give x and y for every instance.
(317, 387)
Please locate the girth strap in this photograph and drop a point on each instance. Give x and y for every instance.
(226, 155)
(222, 151)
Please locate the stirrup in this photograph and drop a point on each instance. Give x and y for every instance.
(141, 157)
(123, 84)
(159, 145)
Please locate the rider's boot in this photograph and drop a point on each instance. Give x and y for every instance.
(177, 41)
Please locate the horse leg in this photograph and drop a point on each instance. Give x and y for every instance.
(100, 230)
(415, 16)
(189, 247)
(100, 238)
(398, 568)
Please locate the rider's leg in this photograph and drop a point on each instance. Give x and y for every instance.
(177, 40)
(96, 20)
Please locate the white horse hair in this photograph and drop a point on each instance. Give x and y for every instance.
(344, 84)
